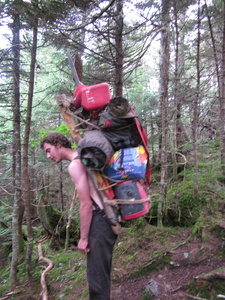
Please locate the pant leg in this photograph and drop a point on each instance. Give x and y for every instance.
(99, 259)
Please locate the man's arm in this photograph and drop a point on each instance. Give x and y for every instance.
(79, 177)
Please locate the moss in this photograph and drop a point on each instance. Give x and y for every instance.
(146, 295)
(200, 288)
(48, 215)
(182, 207)
(159, 261)
(68, 265)
(206, 289)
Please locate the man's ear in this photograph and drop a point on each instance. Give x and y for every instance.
(58, 146)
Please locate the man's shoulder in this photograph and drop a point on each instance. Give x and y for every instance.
(76, 162)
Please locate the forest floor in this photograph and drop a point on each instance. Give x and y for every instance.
(188, 261)
(173, 263)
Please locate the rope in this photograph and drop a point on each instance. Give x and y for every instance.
(116, 181)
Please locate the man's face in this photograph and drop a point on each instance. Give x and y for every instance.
(53, 152)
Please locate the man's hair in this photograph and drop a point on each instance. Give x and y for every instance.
(54, 139)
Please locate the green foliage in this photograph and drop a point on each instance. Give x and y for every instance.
(183, 207)
(54, 222)
(69, 266)
(201, 288)
(141, 98)
(5, 233)
(135, 224)
(146, 295)
(4, 280)
(205, 289)
(63, 128)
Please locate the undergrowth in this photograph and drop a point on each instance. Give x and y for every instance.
(201, 212)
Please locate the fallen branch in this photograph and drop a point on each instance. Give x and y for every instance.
(182, 244)
(43, 275)
(194, 297)
(7, 296)
(219, 273)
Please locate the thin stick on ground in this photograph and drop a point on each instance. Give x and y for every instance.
(43, 275)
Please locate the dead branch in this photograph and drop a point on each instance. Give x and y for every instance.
(44, 238)
(64, 100)
(182, 244)
(184, 158)
(82, 121)
(214, 274)
(43, 275)
(70, 218)
(194, 297)
(115, 202)
(7, 191)
(7, 296)
(71, 208)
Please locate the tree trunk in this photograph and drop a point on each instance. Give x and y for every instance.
(176, 98)
(61, 187)
(18, 207)
(27, 195)
(222, 98)
(179, 135)
(119, 49)
(163, 102)
(220, 81)
(196, 108)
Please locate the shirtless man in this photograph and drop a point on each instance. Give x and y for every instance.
(96, 236)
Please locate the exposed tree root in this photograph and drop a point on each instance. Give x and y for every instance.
(43, 275)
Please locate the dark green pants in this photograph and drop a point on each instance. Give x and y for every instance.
(99, 259)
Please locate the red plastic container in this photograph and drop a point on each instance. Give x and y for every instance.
(92, 97)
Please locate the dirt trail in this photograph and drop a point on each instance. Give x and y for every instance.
(187, 262)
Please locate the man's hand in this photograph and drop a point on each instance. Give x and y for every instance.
(82, 246)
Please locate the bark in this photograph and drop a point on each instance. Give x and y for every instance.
(220, 73)
(119, 49)
(163, 103)
(222, 98)
(27, 194)
(152, 133)
(196, 107)
(214, 48)
(176, 99)
(61, 187)
(18, 207)
(179, 135)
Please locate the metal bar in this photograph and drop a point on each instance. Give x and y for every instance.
(74, 71)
